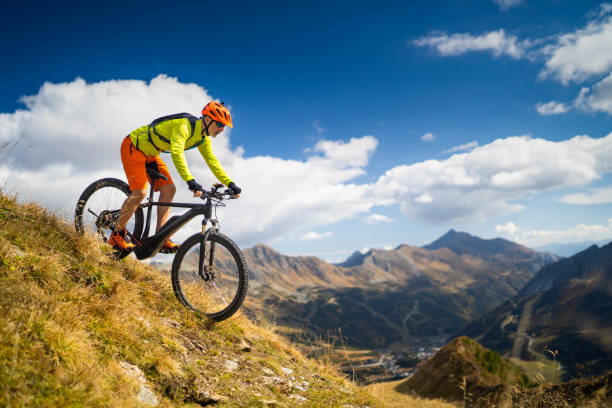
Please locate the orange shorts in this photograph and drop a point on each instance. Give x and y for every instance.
(134, 162)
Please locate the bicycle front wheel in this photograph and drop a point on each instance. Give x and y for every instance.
(211, 279)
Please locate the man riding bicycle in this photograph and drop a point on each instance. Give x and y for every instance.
(170, 134)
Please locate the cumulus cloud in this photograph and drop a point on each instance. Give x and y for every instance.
(497, 42)
(68, 135)
(466, 146)
(78, 124)
(602, 10)
(367, 249)
(508, 229)
(593, 196)
(597, 99)
(377, 219)
(491, 179)
(577, 233)
(355, 153)
(315, 235)
(577, 56)
(428, 137)
(552, 108)
(584, 53)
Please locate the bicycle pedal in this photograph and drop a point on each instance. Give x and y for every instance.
(167, 251)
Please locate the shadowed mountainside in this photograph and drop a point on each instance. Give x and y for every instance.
(565, 308)
(464, 368)
(465, 372)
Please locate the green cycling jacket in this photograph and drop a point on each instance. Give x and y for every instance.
(178, 132)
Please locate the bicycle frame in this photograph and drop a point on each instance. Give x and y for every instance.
(148, 246)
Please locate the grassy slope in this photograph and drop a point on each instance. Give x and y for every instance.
(69, 314)
(387, 392)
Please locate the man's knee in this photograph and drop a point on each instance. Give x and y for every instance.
(168, 190)
(137, 195)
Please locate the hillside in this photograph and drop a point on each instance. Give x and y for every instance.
(78, 328)
(462, 369)
(565, 309)
(466, 373)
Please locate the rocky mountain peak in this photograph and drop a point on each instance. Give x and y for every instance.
(355, 259)
(463, 243)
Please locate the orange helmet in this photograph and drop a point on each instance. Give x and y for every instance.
(216, 111)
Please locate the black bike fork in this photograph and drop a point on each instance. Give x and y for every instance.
(205, 233)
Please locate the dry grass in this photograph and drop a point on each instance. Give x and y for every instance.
(386, 392)
(70, 313)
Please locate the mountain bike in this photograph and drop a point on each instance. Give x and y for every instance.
(209, 272)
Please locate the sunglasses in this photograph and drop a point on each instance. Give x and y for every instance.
(219, 124)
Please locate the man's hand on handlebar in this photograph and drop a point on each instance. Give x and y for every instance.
(195, 188)
(234, 189)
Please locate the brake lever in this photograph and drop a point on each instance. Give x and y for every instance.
(229, 194)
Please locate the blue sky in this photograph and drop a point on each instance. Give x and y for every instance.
(354, 84)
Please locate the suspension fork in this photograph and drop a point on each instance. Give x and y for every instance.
(206, 272)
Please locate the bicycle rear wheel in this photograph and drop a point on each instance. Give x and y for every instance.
(218, 292)
(98, 210)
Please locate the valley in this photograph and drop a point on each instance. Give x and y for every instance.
(387, 311)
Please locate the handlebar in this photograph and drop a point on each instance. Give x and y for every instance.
(219, 195)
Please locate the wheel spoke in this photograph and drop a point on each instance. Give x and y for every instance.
(219, 292)
(216, 289)
(99, 207)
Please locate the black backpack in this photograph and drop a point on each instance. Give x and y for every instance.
(192, 121)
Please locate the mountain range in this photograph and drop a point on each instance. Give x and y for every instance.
(391, 296)
(563, 312)
(568, 249)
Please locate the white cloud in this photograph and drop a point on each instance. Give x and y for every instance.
(597, 99)
(355, 153)
(491, 179)
(594, 196)
(581, 54)
(423, 199)
(69, 135)
(428, 137)
(577, 233)
(603, 10)
(317, 125)
(552, 108)
(466, 146)
(509, 229)
(506, 4)
(497, 42)
(79, 124)
(378, 218)
(570, 57)
(385, 247)
(315, 235)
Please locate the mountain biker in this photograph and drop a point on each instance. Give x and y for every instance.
(174, 135)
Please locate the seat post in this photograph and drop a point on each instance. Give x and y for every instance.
(145, 234)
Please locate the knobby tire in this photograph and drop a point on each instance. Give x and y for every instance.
(85, 198)
(183, 274)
